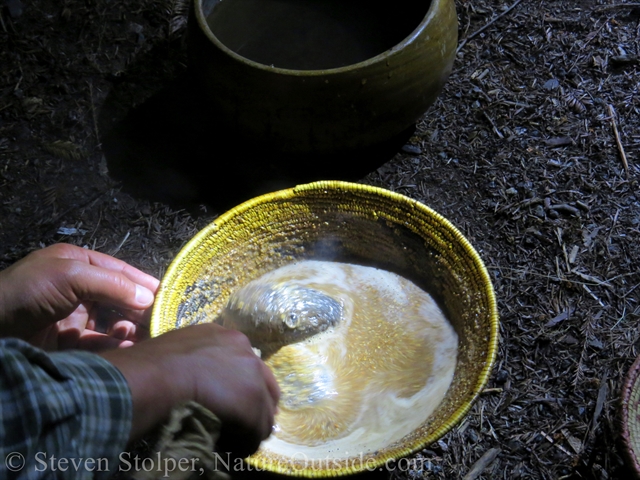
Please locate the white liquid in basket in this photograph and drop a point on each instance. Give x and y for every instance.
(370, 380)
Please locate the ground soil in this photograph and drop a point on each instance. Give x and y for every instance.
(531, 150)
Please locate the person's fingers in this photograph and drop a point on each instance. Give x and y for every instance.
(69, 329)
(211, 365)
(98, 342)
(52, 339)
(79, 330)
(124, 330)
(72, 252)
(272, 386)
(54, 283)
(245, 428)
(92, 283)
(111, 314)
(250, 416)
(111, 324)
(105, 261)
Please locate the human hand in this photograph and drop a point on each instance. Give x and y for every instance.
(211, 365)
(54, 298)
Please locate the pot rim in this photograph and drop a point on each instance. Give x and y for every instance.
(434, 7)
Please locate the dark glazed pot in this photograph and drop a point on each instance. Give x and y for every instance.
(326, 109)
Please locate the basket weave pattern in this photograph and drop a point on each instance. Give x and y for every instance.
(352, 223)
(630, 410)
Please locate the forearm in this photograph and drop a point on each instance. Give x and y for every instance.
(154, 389)
(72, 405)
(210, 365)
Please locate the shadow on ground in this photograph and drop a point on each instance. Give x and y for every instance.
(175, 149)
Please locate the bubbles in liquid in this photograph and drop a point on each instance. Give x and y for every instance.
(368, 378)
(292, 321)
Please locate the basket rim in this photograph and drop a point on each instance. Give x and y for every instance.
(630, 384)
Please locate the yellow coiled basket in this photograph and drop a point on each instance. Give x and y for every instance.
(354, 223)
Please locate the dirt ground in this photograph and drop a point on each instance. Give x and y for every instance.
(531, 150)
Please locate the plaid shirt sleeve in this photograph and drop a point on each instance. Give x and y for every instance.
(62, 415)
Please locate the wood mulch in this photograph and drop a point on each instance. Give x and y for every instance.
(532, 150)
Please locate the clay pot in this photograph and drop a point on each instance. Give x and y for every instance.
(321, 88)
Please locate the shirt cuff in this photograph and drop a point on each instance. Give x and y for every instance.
(103, 395)
(65, 411)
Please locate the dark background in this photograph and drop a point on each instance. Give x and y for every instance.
(103, 144)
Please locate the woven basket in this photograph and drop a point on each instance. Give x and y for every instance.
(630, 418)
(353, 223)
